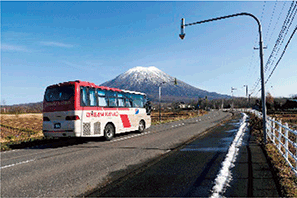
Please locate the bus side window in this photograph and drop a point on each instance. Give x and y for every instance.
(84, 100)
(102, 100)
(120, 100)
(112, 99)
(92, 97)
(128, 100)
(141, 101)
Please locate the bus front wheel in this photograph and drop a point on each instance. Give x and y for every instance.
(109, 132)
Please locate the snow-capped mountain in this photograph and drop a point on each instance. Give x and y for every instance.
(148, 80)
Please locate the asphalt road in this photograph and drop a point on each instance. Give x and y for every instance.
(76, 166)
(189, 171)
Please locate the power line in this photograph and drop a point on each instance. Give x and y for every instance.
(263, 9)
(277, 21)
(280, 39)
(281, 36)
(271, 19)
(290, 21)
(281, 55)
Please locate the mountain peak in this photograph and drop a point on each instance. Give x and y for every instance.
(151, 75)
(146, 69)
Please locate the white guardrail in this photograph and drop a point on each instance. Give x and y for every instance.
(284, 138)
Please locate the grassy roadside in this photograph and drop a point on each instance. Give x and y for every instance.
(286, 177)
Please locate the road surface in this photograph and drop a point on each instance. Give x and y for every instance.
(76, 167)
(225, 162)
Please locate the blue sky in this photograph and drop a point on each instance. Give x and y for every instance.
(44, 43)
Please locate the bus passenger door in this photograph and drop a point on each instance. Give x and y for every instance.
(85, 115)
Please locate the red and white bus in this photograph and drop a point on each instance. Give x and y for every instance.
(83, 109)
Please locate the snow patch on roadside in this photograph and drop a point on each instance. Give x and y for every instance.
(224, 177)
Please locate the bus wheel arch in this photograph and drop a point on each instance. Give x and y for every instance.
(141, 125)
(109, 131)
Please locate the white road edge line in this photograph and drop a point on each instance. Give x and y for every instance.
(23, 162)
(7, 151)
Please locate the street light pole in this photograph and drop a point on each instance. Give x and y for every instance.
(246, 90)
(160, 90)
(160, 93)
(232, 89)
(182, 35)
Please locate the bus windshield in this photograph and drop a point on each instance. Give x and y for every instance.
(59, 93)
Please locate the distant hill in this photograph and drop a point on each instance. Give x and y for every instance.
(148, 80)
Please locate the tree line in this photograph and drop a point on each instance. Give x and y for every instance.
(21, 108)
(272, 104)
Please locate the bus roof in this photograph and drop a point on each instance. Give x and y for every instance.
(89, 84)
(132, 92)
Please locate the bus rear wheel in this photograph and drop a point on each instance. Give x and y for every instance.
(141, 126)
(109, 132)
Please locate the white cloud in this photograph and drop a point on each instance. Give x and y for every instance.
(81, 67)
(15, 48)
(57, 44)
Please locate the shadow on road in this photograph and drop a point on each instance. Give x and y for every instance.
(62, 142)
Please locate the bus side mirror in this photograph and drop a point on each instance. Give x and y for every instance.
(148, 107)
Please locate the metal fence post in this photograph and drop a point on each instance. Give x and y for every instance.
(279, 135)
(273, 130)
(269, 129)
(287, 142)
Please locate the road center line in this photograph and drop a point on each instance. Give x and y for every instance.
(11, 165)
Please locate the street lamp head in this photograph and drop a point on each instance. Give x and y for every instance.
(182, 29)
(182, 36)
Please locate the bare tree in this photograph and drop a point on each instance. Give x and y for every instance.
(3, 104)
(269, 98)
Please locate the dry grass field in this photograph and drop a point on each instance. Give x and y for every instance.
(21, 127)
